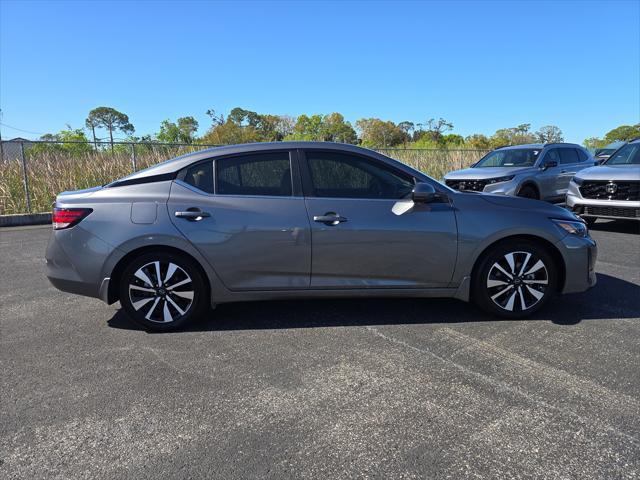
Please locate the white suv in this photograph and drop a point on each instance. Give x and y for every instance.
(611, 190)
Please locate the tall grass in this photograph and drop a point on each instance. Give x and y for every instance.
(51, 172)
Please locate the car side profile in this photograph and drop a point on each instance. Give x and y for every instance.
(312, 220)
(611, 190)
(538, 171)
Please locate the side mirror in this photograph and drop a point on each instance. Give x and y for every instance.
(549, 164)
(423, 193)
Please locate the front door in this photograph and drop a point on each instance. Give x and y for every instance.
(367, 233)
(250, 226)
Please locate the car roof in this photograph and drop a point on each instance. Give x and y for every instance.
(178, 163)
(540, 145)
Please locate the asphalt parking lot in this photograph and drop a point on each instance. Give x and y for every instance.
(349, 388)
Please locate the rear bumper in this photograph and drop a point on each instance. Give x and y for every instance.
(74, 262)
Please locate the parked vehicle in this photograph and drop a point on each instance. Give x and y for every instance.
(611, 190)
(315, 220)
(534, 171)
(602, 154)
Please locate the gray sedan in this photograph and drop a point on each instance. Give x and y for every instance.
(321, 220)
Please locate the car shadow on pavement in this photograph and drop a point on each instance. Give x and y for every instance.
(611, 299)
(617, 226)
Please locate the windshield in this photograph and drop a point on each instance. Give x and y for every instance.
(627, 155)
(605, 151)
(516, 157)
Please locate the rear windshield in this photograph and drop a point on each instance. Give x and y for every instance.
(627, 155)
(516, 157)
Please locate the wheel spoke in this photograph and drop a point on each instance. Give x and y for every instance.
(158, 277)
(525, 263)
(187, 294)
(166, 314)
(499, 267)
(539, 282)
(535, 292)
(538, 265)
(511, 262)
(153, 307)
(501, 292)
(523, 305)
(143, 276)
(170, 271)
(144, 289)
(495, 283)
(183, 282)
(141, 303)
(509, 305)
(180, 311)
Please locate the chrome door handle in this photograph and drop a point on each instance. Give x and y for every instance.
(329, 218)
(193, 215)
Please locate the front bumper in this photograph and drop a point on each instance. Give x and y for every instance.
(509, 187)
(580, 255)
(587, 207)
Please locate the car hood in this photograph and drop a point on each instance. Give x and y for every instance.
(610, 172)
(485, 172)
(530, 205)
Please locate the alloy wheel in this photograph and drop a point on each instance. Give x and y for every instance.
(517, 281)
(162, 291)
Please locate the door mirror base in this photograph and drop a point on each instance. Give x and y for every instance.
(548, 165)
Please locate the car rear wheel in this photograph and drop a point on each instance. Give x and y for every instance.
(162, 291)
(515, 279)
(528, 192)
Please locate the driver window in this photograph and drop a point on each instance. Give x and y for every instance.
(553, 156)
(341, 175)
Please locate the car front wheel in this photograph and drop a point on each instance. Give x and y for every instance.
(515, 279)
(162, 291)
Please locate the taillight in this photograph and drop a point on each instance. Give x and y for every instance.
(68, 217)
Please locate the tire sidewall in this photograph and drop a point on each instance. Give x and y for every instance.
(480, 293)
(199, 286)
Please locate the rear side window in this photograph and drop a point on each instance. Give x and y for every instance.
(267, 174)
(568, 155)
(582, 156)
(200, 176)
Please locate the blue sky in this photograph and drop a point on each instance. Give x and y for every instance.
(481, 65)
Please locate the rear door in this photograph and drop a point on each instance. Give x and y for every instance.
(246, 215)
(366, 232)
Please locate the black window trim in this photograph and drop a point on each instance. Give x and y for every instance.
(307, 184)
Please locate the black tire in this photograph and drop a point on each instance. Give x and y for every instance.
(182, 291)
(526, 285)
(529, 192)
(590, 221)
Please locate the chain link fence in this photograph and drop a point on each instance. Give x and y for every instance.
(32, 173)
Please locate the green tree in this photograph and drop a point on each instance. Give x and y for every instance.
(335, 129)
(110, 119)
(519, 135)
(183, 131)
(478, 141)
(71, 141)
(307, 128)
(549, 134)
(623, 132)
(377, 133)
